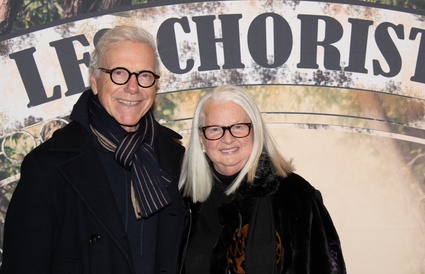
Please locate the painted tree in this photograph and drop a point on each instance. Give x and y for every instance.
(21, 14)
(75, 7)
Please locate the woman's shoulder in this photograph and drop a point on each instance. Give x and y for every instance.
(295, 185)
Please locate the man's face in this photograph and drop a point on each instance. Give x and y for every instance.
(127, 103)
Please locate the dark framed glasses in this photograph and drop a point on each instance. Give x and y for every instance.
(120, 76)
(240, 130)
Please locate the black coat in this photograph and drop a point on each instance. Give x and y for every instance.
(63, 217)
(309, 238)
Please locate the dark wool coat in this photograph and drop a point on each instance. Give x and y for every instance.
(310, 241)
(63, 217)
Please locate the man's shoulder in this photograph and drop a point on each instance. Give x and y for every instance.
(168, 133)
(168, 139)
(73, 137)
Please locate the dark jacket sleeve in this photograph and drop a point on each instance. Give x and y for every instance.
(28, 232)
(327, 230)
(311, 244)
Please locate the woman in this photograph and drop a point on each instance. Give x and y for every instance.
(250, 212)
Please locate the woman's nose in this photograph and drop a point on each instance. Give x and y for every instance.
(227, 137)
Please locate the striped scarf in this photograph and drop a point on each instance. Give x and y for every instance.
(135, 152)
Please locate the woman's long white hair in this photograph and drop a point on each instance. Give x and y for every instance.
(196, 179)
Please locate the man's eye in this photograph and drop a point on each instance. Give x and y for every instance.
(146, 75)
(119, 72)
(214, 129)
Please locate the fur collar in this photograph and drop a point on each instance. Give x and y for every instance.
(265, 183)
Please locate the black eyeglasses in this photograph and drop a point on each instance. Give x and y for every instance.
(239, 130)
(121, 76)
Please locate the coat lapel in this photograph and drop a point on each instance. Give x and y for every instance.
(85, 174)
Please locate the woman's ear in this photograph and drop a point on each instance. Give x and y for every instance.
(201, 140)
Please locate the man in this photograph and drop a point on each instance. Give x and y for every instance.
(101, 195)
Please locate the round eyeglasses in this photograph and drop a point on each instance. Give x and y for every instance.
(239, 130)
(121, 76)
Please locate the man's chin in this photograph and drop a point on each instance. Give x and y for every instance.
(130, 128)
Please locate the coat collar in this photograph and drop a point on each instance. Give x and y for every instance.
(265, 182)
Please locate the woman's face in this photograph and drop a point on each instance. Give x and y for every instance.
(228, 154)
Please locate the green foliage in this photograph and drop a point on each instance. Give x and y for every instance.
(38, 12)
(18, 145)
(135, 2)
(410, 4)
(164, 107)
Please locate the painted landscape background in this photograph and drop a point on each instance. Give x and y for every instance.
(358, 138)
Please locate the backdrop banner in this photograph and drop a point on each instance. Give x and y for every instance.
(340, 85)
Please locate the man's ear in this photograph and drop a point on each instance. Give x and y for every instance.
(93, 84)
